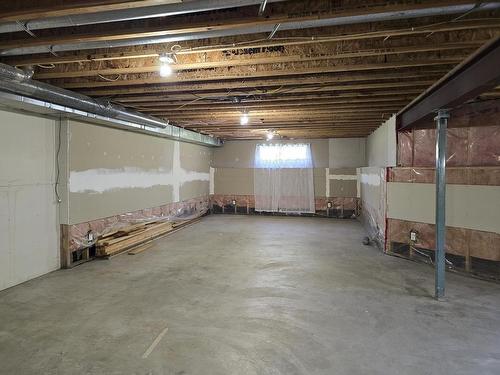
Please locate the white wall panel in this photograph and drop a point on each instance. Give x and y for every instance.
(467, 206)
(28, 209)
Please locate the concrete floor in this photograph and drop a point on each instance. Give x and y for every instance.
(251, 295)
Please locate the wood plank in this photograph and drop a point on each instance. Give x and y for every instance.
(349, 97)
(71, 8)
(110, 33)
(141, 248)
(260, 73)
(256, 61)
(281, 83)
(241, 44)
(124, 239)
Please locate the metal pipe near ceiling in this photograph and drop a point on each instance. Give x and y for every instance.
(44, 108)
(126, 14)
(18, 82)
(267, 28)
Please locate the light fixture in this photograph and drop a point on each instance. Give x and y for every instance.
(244, 119)
(166, 59)
(165, 70)
(270, 135)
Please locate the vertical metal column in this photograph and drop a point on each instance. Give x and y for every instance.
(440, 260)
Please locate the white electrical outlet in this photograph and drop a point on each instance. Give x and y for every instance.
(234, 202)
(329, 205)
(413, 236)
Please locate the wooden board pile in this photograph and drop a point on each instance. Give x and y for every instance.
(135, 238)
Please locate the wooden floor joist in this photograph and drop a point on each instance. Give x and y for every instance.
(335, 80)
(79, 72)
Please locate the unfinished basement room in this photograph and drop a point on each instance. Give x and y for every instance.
(249, 187)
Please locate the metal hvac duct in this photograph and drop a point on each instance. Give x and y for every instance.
(18, 82)
(291, 25)
(126, 14)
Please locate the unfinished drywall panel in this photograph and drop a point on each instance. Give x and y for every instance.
(381, 145)
(233, 174)
(113, 171)
(241, 154)
(191, 169)
(195, 158)
(235, 181)
(86, 206)
(344, 188)
(193, 189)
(342, 182)
(28, 206)
(240, 181)
(319, 178)
(467, 206)
(346, 152)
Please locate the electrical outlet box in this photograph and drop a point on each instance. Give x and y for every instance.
(329, 205)
(413, 236)
(234, 202)
(90, 237)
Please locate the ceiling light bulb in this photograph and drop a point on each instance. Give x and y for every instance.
(244, 119)
(165, 70)
(270, 136)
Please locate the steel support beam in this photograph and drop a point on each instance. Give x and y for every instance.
(440, 255)
(476, 75)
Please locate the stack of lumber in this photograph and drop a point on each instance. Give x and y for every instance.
(135, 238)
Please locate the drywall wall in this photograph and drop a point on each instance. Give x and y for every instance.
(111, 171)
(381, 145)
(346, 152)
(237, 181)
(342, 182)
(29, 245)
(467, 206)
(233, 166)
(240, 181)
(241, 154)
(380, 153)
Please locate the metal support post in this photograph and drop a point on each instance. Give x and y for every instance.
(440, 260)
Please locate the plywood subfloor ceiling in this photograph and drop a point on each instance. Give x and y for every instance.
(299, 69)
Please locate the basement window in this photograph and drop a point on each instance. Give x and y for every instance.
(283, 156)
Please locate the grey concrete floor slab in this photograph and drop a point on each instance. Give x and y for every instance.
(251, 295)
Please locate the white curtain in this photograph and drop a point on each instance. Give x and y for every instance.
(283, 178)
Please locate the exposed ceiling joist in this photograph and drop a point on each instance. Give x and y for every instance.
(224, 27)
(332, 69)
(479, 73)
